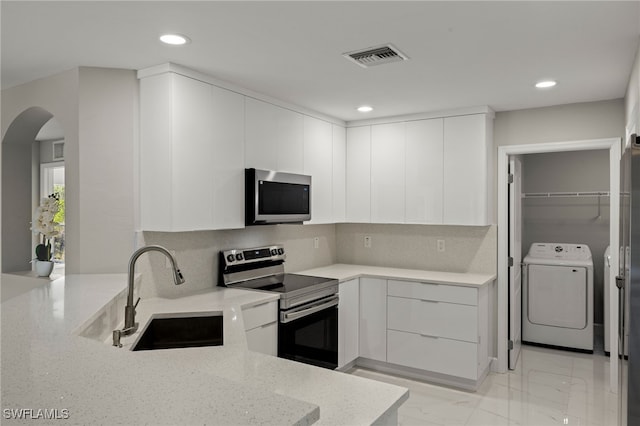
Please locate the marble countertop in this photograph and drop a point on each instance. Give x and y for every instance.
(345, 272)
(45, 364)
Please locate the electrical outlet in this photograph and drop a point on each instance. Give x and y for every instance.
(167, 262)
(316, 242)
(440, 245)
(367, 241)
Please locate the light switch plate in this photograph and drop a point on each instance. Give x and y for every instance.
(440, 245)
(367, 241)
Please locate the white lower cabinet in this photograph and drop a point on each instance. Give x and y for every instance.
(348, 322)
(440, 329)
(430, 331)
(373, 318)
(261, 327)
(434, 354)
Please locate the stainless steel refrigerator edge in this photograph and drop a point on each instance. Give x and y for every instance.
(628, 282)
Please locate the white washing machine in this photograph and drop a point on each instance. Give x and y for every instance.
(557, 296)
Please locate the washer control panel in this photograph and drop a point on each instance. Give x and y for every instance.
(560, 251)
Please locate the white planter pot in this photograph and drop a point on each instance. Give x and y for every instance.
(44, 268)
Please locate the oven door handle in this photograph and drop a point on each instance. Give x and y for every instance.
(286, 317)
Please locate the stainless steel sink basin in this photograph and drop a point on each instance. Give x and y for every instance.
(181, 331)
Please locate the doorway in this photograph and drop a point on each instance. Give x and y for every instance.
(25, 146)
(504, 152)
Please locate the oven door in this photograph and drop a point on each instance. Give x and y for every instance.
(309, 333)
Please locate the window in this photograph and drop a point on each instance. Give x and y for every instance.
(52, 181)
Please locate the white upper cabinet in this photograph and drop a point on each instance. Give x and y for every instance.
(274, 137)
(191, 155)
(359, 174)
(388, 173)
(432, 171)
(318, 160)
(424, 171)
(227, 166)
(339, 173)
(467, 158)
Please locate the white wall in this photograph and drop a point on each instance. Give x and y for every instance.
(97, 109)
(562, 123)
(108, 117)
(58, 96)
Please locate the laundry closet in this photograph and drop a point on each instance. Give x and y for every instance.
(565, 216)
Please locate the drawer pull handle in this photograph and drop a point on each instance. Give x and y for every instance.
(429, 301)
(259, 304)
(430, 336)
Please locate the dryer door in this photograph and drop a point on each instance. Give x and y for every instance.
(557, 296)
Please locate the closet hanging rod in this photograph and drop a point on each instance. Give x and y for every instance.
(564, 194)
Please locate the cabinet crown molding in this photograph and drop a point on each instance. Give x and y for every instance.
(424, 116)
(170, 67)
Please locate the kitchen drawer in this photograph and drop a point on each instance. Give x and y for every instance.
(261, 314)
(435, 292)
(439, 355)
(264, 339)
(438, 319)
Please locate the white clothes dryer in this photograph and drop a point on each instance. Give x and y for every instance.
(557, 297)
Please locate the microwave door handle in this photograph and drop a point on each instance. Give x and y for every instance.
(286, 317)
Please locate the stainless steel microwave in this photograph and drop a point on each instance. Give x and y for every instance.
(275, 197)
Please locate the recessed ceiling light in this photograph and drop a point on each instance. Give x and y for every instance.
(174, 39)
(545, 84)
(365, 108)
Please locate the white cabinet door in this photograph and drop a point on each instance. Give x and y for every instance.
(191, 155)
(373, 318)
(359, 174)
(424, 171)
(225, 173)
(290, 141)
(435, 319)
(467, 149)
(439, 355)
(156, 95)
(318, 159)
(348, 322)
(263, 339)
(193, 150)
(261, 135)
(339, 173)
(388, 173)
(274, 137)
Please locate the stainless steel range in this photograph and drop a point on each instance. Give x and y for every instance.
(308, 313)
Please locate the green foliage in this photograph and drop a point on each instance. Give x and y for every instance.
(59, 217)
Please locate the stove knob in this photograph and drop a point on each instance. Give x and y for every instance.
(274, 252)
(230, 258)
(239, 256)
(280, 251)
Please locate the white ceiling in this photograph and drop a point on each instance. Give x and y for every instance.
(462, 53)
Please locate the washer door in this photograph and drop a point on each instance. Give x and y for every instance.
(557, 296)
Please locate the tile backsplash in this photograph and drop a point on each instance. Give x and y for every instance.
(197, 253)
(467, 249)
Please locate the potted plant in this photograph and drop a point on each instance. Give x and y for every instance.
(44, 224)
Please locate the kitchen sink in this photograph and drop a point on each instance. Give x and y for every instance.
(181, 331)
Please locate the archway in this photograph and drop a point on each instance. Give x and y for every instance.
(21, 187)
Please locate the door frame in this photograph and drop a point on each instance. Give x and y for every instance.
(614, 147)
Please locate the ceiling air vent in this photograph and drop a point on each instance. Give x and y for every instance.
(376, 56)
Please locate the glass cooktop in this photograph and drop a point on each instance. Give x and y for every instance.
(287, 283)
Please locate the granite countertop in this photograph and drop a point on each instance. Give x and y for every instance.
(345, 272)
(46, 364)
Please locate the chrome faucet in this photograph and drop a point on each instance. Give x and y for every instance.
(130, 324)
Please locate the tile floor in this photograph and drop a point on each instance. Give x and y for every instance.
(548, 387)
